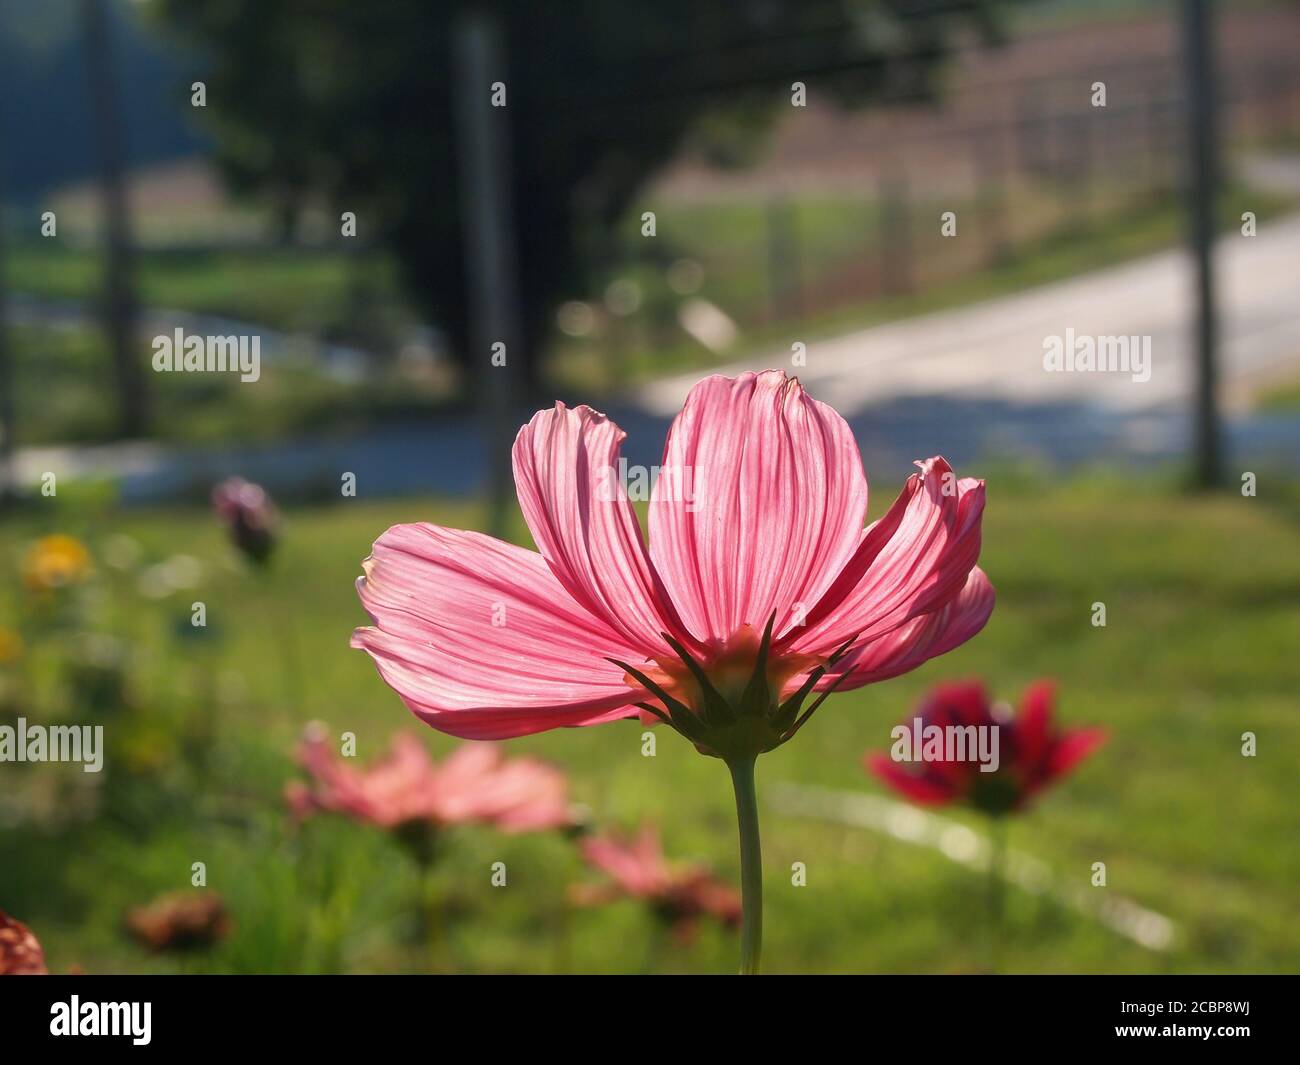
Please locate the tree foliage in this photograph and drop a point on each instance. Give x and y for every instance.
(355, 101)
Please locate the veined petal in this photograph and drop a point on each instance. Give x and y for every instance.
(774, 510)
(481, 641)
(917, 641)
(570, 490)
(909, 563)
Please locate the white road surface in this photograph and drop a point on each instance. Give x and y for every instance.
(994, 350)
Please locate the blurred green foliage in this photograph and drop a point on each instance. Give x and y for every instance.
(1203, 602)
(359, 105)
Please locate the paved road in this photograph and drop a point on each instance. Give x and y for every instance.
(973, 378)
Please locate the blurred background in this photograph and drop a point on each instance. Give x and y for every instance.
(671, 189)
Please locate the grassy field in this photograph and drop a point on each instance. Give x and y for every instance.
(325, 290)
(1282, 398)
(63, 378)
(1203, 604)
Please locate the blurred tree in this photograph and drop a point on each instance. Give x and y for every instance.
(355, 101)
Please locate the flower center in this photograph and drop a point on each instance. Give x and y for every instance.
(734, 699)
(730, 667)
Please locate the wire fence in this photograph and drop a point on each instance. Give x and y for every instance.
(857, 211)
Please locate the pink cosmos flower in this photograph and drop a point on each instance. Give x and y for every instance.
(758, 587)
(486, 640)
(637, 869)
(1033, 753)
(249, 515)
(475, 784)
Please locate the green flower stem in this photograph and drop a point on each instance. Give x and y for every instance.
(430, 913)
(751, 864)
(997, 889)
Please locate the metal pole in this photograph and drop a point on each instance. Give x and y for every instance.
(485, 208)
(1203, 164)
(118, 295)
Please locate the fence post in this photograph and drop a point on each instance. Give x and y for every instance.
(895, 234)
(784, 261)
(991, 179)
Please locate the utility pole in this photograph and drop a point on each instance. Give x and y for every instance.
(483, 154)
(1202, 185)
(119, 299)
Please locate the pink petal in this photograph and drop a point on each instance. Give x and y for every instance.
(481, 641)
(918, 640)
(909, 563)
(467, 767)
(528, 796)
(570, 490)
(476, 783)
(637, 865)
(775, 509)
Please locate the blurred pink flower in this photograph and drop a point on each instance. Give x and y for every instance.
(249, 515)
(637, 869)
(758, 564)
(1033, 753)
(474, 785)
(20, 951)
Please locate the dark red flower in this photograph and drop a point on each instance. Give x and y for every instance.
(20, 953)
(1031, 753)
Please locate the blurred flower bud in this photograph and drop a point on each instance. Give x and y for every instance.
(181, 920)
(249, 514)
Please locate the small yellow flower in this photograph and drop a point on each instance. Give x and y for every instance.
(54, 562)
(11, 646)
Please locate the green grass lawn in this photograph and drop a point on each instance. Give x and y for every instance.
(1280, 398)
(1203, 605)
(62, 377)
